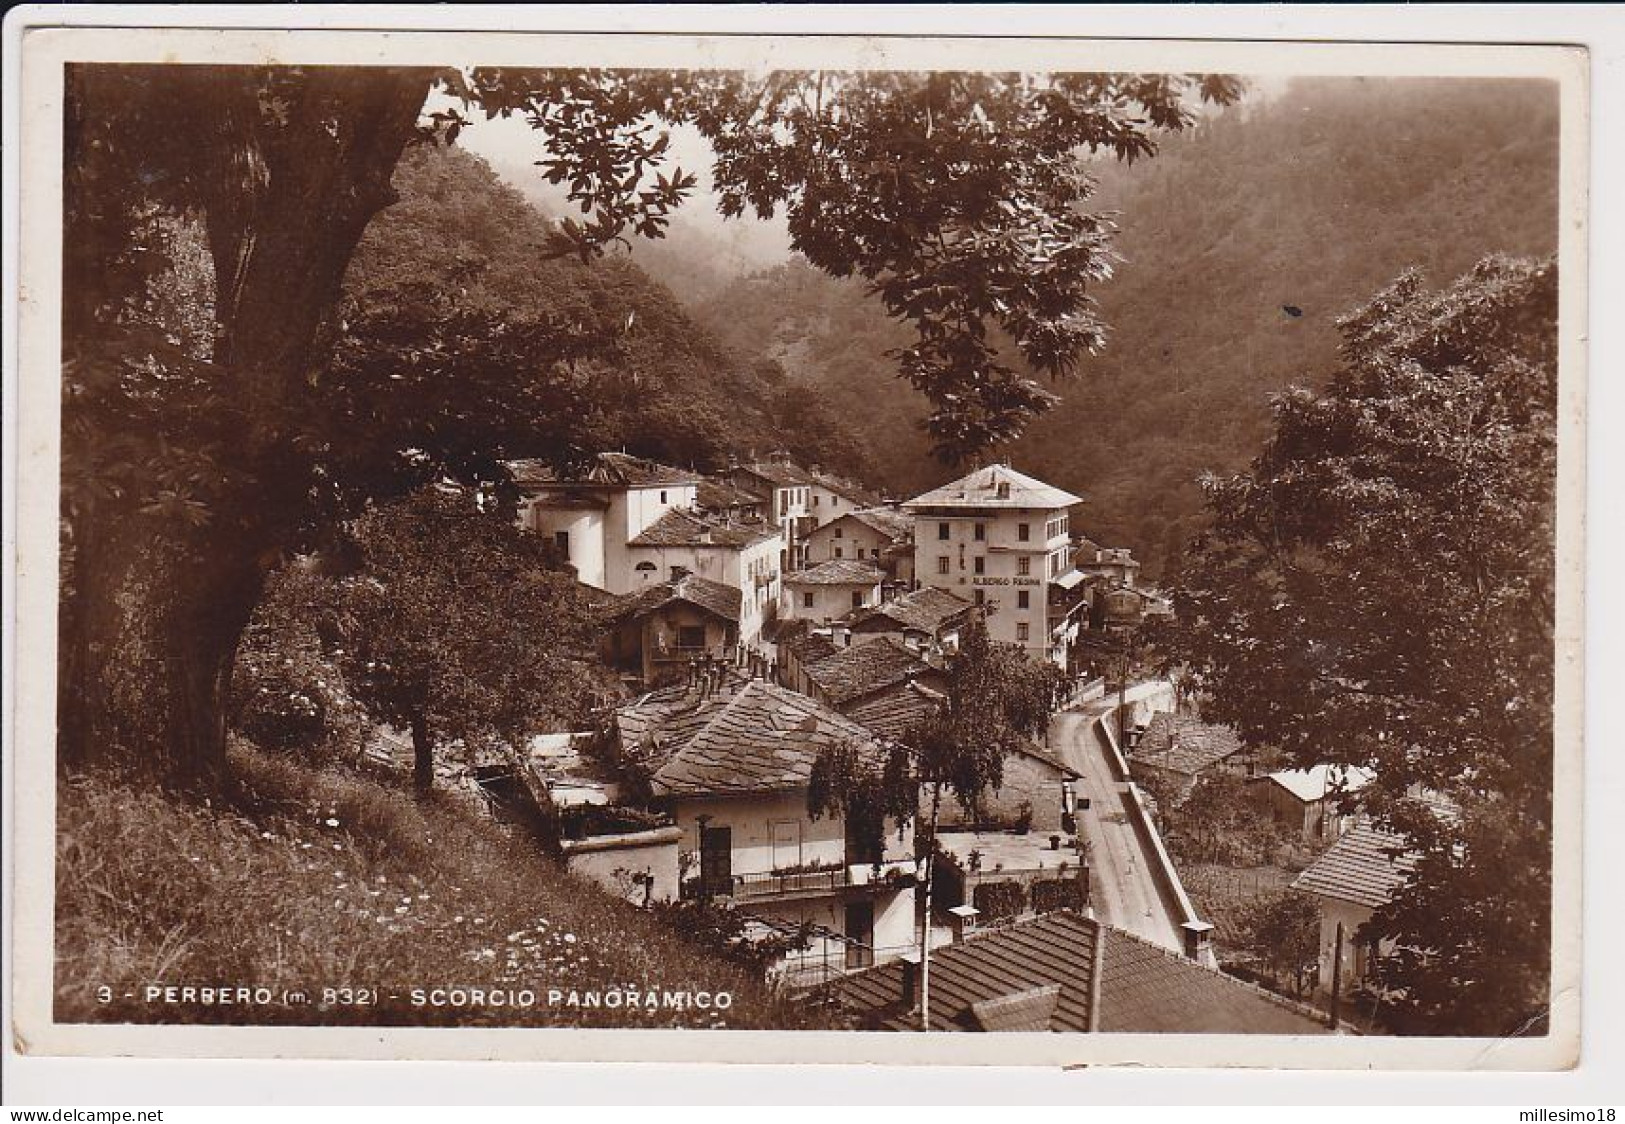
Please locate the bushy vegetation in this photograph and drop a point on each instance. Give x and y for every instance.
(304, 879)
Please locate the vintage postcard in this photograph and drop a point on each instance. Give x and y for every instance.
(748, 548)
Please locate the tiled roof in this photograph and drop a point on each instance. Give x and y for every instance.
(614, 469)
(1309, 785)
(687, 528)
(980, 489)
(864, 668)
(1005, 979)
(1366, 866)
(1182, 744)
(751, 737)
(892, 712)
(838, 571)
(926, 609)
(714, 597)
(714, 494)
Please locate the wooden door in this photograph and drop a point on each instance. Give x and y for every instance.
(716, 860)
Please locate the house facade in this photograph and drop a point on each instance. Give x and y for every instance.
(732, 759)
(999, 538)
(590, 519)
(1309, 801)
(873, 535)
(830, 591)
(787, 489)
(831, 496)
(1354, 878)
(742, 555)
(658, 632)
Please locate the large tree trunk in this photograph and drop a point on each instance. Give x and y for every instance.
(287, 166)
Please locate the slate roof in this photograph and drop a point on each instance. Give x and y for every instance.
(1366, 866)
(678, 527)
(837, 571)
(1309, 785)
(749, 737)
(807, 647)
(864, 668)
(714, 494)
(1003, 978)
(615, 469)
(980, 489)
(925, 609)
(714, 597)
(841, 486)
(1180, 743)
(892, 712)
(782, 474)
(888, 521)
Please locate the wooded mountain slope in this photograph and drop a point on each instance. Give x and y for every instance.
(1243, 242)
(666, 388)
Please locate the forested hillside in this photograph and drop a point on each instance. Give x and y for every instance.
(460, 246)
(1242, 243)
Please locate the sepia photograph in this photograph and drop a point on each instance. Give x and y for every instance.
(914, 540)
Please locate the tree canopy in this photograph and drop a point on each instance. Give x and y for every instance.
(1378, 591)
(959, 197)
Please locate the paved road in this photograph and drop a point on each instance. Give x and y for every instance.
(1125, 892)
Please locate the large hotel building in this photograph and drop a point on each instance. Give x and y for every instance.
(999, 538)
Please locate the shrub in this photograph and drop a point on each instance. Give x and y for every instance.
(998, 900)
(1052, 894)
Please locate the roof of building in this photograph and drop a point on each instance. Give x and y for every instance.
(837, 571)
(779, 473)
(996, 486)
(713, 597)
(888, 521)
(717, 494)
(679, 527)
(893, 711)
(806, 646)
(926, 609)
(614, 469)
(841, 486)
(745, 736)
(1366, 866)
(864, 668)
(1037, 975)
(1180, 743)
(1321, 781)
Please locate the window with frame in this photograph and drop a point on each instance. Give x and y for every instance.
(1024, 600)
(1022, 631)
(981, 596)
(837, 552)
(1024, 566)
(561, 539)
(942, 564)
(978, 565)
(942, 531)
(807, 599)
(1024, 532)
(691, 636)
(662, 495)
(857, 598)
(981, 532)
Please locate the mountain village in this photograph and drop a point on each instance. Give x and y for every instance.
(764, 615)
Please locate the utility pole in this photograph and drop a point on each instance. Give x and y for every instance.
(1337, 978)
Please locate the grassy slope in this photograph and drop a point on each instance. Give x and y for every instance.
(317, 879)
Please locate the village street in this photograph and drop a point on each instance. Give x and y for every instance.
(1126, 892)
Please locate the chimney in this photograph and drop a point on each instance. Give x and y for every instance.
(964, 917)
(1197, 935)
(911, 980)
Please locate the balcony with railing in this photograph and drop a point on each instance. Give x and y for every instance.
(892, 874)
